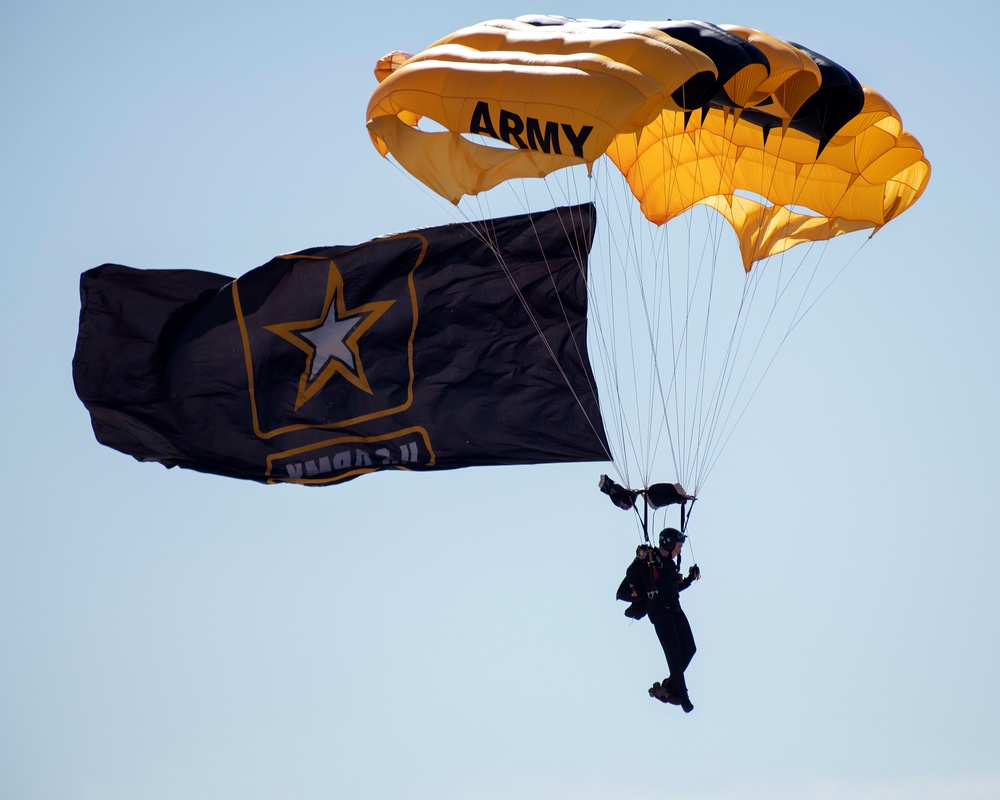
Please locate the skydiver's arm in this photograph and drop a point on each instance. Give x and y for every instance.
(693, 574)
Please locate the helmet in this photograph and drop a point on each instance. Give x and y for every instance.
(671, 536)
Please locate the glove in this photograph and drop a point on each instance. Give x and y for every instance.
(694, 573)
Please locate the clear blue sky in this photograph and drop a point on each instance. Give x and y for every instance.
(168, 634)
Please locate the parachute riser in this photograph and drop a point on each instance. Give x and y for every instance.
(655, 496)
(685, 516)
(645, 519)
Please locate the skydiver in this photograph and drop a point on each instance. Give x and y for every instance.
(663, 583)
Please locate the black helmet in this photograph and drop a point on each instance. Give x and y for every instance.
(671, 536)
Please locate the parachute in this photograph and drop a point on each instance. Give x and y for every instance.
(658, 122)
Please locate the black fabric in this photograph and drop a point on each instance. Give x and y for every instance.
(633, 588)
(413, 351)
(674, 634)
(663, 494)
(620, 496)
(663, 581)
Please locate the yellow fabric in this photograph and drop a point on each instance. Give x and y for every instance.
(793, 76)
(561, 95)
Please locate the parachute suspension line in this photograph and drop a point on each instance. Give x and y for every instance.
(690, 357)
(702, 400)
(655, 386)
(717, 415)
(570, 182)
(690, 416)
(602, 293)
(673, 403)
(710, 409)
(605, 306)
(616, 255)
(449, 208)
(486, 236)
(729, 427)
(797, 318)
(630, 254)
(798, 314)
(722, 417)
(679, 339)
(617, 245)
(702, 404)
(623, 257)
(721, 421)
(648, 280)
(634, 259)
(826, 288)
(653, 261)
(672, 397)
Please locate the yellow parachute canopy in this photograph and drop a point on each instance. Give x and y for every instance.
(782, 142)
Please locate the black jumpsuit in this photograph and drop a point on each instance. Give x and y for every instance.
(671, 625)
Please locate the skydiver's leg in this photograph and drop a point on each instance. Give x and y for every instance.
(666, 632)
(686, 637)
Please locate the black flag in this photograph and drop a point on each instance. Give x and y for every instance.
(432, 349)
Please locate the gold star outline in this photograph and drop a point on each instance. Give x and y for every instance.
(331, 341)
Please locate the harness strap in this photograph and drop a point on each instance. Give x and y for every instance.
(653, 575)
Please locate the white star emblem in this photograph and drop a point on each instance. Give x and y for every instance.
(330, 341)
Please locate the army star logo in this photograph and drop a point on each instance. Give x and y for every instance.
(331, 341)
